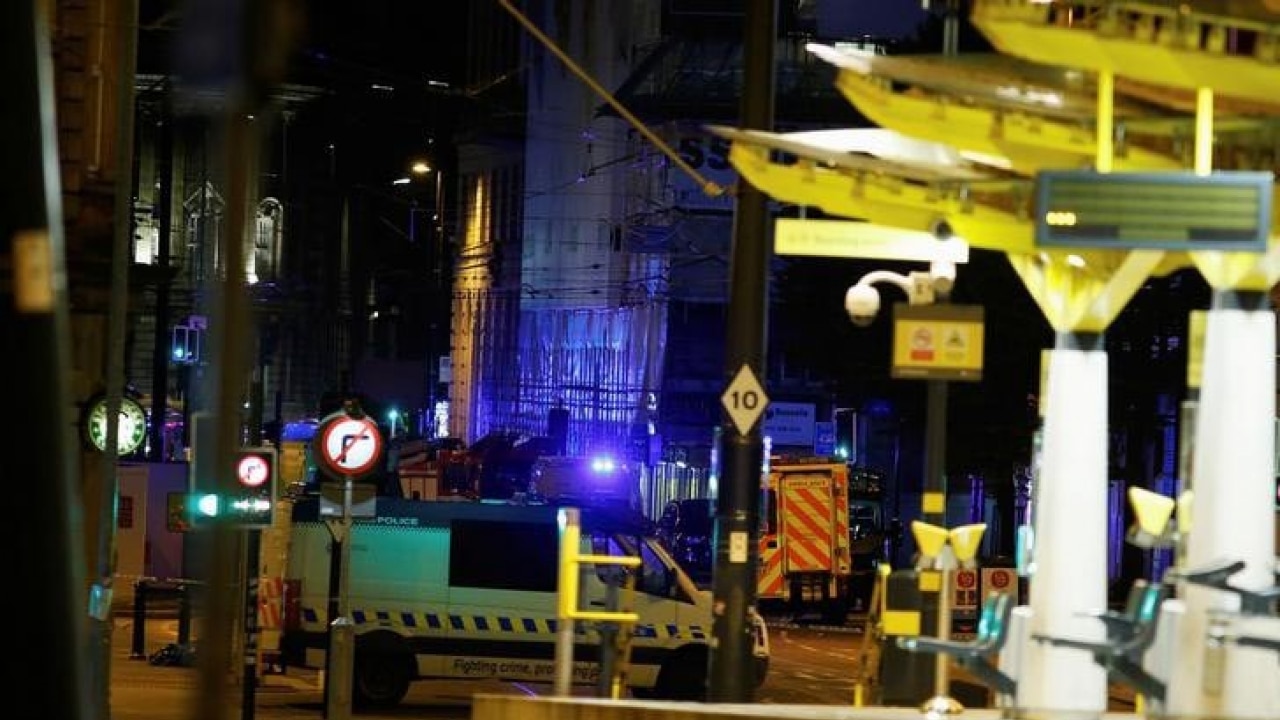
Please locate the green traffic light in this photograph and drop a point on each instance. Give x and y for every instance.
(208, 505)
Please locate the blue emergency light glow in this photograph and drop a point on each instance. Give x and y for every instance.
(603, 465)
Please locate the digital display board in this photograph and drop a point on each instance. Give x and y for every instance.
(1229, 211)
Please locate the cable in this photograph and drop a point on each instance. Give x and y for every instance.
(710, 188)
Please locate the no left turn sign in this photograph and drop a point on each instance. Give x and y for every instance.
(349, 446)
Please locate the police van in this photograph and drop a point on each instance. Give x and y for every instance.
(467, 590)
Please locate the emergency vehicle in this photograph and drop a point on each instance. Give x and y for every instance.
(805, 554)
(467, 590)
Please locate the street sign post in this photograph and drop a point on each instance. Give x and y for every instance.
(348, 446)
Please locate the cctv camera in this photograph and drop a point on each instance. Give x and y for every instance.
(862, 302)
(944, 276)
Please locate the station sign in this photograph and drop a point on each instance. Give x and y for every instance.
(864, 240)
(1181, 211)
(938, 342)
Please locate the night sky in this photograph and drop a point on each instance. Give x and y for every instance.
(886, 18)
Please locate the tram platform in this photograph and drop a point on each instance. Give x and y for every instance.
(503, 707)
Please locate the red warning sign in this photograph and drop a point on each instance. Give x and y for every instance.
(1000, 579)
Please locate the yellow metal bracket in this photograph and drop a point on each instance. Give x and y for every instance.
(1084, 291)
(1167, 44)
(883, 199)
(570, 560)
(1027, 142)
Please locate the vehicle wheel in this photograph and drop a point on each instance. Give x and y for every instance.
(381, 679)
(684, 676)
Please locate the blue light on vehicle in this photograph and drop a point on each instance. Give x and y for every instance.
(603, 465)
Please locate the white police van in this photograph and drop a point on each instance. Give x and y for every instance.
(467, 590)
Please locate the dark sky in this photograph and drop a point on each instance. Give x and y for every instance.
(892, 18)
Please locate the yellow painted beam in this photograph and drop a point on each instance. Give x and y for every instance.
(1084, 292)
(881, 199)
(1159, 45)
(1029, 143)
(1073, 298)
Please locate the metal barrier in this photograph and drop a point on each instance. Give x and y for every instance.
(146, 590)
(571, 558)
(663, 482)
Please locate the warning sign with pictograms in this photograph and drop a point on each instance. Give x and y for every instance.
(938, 342)
(965, 591)
(964, 603)
(1000, 579)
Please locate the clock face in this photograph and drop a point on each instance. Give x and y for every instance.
(131, 428)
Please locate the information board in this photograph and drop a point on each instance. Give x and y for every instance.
(937, 342)
(1228, 211)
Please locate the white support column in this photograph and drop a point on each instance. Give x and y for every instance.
(1071, 532)
(1233, 509)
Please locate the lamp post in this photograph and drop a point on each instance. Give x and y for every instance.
(862, 303)
(439, 303)
(944, 551)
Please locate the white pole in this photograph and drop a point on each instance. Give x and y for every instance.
(1071, 532)
(1233, 511)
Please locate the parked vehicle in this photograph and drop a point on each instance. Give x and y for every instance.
(686, 529)
(468, 590)
(497, 466)
(805, 555)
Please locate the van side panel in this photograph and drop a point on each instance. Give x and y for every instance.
(469, 591)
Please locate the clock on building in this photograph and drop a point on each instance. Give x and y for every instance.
(131, 428)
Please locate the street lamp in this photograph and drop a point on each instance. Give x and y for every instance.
(436, 257)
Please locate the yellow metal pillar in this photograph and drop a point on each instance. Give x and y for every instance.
(1106, 121)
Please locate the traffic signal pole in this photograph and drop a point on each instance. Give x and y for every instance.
(731, 672)
(34, 318)
(108, 487)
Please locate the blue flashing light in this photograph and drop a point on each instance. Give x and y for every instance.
(603, 465)
(842, 452)
(879, 407)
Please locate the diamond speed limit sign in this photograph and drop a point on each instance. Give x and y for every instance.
(744, 400)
